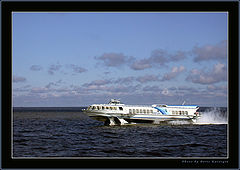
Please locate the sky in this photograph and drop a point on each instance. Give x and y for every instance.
(77, 59)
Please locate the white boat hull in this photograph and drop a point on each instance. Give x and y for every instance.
(120, 119)
(115, 113)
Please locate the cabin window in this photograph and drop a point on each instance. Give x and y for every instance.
(107, 107)
(151, 111)
(144, 111)
(141, 111)
(98, 108)
(137, 111)
(111, 108)
(173, 112)
(186, 112)
(115, 108)
(133, 111)
(120, 108)
(93, 107)
(103, 107)
(147, 111)
(130, 111)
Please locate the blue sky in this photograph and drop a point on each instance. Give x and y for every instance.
(76, 59)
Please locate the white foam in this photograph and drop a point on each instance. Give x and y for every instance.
(212, 116)
(179, 122)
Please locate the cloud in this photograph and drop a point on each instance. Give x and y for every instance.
(174, 73)
(153, 89)
(166, 92)
(120, 86)
(141, 64)
(210, 52)
(57, 83)
(125, 80)
(76, 68)
(56, 67)
(147, 78)
(180, 55)
(74, 95)
(18, 79)
(53, 68)
(214, 87)
(158, 58)
(36, 68)
(217, 74)
(217, 90)
(39, 90)
(185, 88)
(113, 59)
(97, 83)
(22, 89)
(132, 79)
(123, 89)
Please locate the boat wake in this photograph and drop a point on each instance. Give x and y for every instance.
(179, 122)
(213, 116)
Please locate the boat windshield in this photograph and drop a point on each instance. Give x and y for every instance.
(114, 101)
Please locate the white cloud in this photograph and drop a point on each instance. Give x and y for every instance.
(211, 52)
(141, 64)
(147, 78)
(158, 58)
(174, 73)
(114, 59)
(217, 74)
(36, 68)
(76, 68)
(39, 90)
(135, 94)
(125, 80)
(57, 83)
(53, 68)
(18, 79)
(153, 89)
(97, 83)
(123, 89)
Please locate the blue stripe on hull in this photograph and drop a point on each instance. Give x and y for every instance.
(164, 112)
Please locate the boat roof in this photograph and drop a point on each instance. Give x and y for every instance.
(115, 102)
(169, 106)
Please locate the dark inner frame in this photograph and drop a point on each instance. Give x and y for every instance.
(6, 72)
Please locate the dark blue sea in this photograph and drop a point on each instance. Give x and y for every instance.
(67, 132)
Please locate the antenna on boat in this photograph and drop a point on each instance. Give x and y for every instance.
(183, 102)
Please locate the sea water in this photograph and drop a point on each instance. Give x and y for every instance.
(67, 132)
